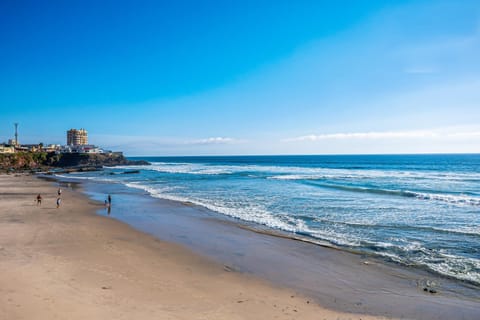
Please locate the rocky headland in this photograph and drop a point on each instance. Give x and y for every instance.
(43, 161)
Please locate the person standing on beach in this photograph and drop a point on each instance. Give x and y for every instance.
(39, 199)
(107, 204)
(59, 200)
(59, 192)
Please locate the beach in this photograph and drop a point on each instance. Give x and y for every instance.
(71, 263)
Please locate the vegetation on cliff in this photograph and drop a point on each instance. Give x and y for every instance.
(36, 161)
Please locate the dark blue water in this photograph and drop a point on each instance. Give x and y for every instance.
(420, 210)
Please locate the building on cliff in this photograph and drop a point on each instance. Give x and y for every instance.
(77, 137)
(77, 142)
(86, 148)
(7, 149)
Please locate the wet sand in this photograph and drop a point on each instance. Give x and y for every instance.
(69, 263)
(336, 279)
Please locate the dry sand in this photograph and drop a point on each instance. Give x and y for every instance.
(70, 263)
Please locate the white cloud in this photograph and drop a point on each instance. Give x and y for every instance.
(467, 135)
(159, 141)
(415, 134)
(212, 140)
(364, 135)
(155, 145)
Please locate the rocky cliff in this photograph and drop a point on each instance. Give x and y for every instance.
(28, 161)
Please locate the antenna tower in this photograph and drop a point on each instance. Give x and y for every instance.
(16, 133)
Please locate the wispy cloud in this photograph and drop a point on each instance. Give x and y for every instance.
(149, 143)
(415, 134)
(467, 135)
(363, 135)
(212, 140)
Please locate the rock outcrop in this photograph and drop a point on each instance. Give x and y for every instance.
(42, 161)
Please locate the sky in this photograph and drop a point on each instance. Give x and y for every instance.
(243, 77)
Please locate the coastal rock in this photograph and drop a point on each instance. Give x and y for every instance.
(96, 159)
(43, 161)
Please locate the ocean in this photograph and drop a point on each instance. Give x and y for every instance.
(415, 210)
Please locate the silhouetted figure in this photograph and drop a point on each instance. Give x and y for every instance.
(39, 199)
(107, 206)
(109, 200)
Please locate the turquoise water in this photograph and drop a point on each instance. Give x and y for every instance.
(420, 210)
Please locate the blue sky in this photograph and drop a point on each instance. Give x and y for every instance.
(244, 77)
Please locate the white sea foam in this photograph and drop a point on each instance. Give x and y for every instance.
(250, 213)
(305, 173)
(181, 168)
(150, 189)
(450, 198)
(472, 230)
(343, 174)
(81, 177)
(254, 213)
(453, 199)
(415, 254)
(335, 237)
(446, 264)
(298, 177)
(458, 267)
(259, 207)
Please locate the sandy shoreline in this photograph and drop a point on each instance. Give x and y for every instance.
(337, 279)
(69, 263)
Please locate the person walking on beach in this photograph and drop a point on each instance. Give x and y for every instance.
(39, 199)
(59, 192)
(59, 200)
(107, 204)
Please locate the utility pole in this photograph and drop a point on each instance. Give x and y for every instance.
(16, 133)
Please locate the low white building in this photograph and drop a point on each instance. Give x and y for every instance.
(86, 148)
(7, 149)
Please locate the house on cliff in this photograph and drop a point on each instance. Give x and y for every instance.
(7, 149)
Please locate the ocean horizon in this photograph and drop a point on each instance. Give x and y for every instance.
(419, 210)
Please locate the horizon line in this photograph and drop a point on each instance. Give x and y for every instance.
(325, 154)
